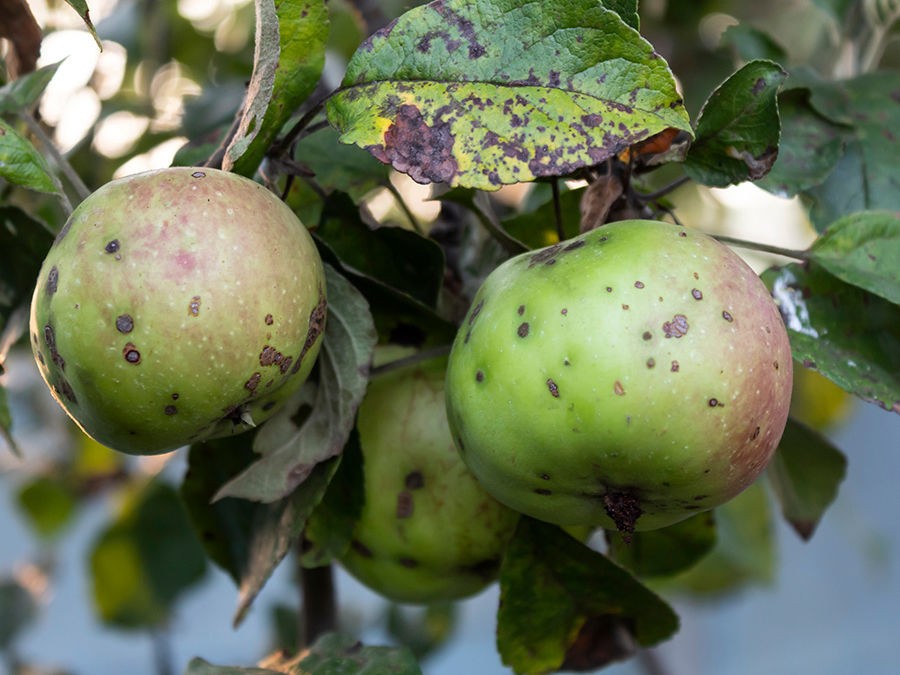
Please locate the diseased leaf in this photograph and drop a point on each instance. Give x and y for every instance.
(21, 164)
(81, 7)
(24, 92)
(482, 94)
(565, 606)
(668, 550)
(738, 129)
(336, 654)
(863, 249)
(866, 177)
(809, 150)
(805, 474)
(287, 64)
(847, 334)
(291, 449)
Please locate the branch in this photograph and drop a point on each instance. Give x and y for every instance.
(319, 608)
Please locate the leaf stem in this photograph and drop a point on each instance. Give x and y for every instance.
(765, 248)
(50, 148)
(489, 220)
(319, 608)
(663, 191)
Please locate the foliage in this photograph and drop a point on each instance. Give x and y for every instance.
(578, 99)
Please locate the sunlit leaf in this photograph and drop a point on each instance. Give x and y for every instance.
(84, 12)
(564, 605)
(21, 164)
(23, 92)
(290, 54)
(487, 93)
(290, 448)
(738, 129)
(863, 249)
(847, 334)
(805, 474)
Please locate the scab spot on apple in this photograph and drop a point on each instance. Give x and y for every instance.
(697, 294)
(269, 319)
(198, 174)
(52, 280)
(194, 306)
(408, 563)
(170, 410)
(727, 316)
(543, 491)
(479, 376)
(677, 327)
(651, 362)
(112, 246)
(414, 480)
(124, 323)
(131, 354)
(520, 311)
(253, 382)
(404, 504)
(554, 390)
(618, 389)
(522, 330)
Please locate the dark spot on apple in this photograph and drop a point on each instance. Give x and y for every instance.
(677, 327)
(564, 311)
(651, 362)
(619, 389)
(625, 307)
(414, 480)
(131, 354)
(361, 548)
(647, 335)
(521, 310)
(476, 310)
(675, 367)
(268, 405)
(700, 498)
(775, 363)
(124, 323)
(727, 316)
(409, 563)
(270, 356)
(574, 245)
(624, 509)
(638, 284)
(546, 256)
(543, 491)
(523, 330)
(194, 306)
(755, 434)
(269, 320)
(253, 382)
(404, 504)
(52, 280)
(175, 396)
(609, 289)
(698, 295)
(713, 402)
(545, 476)
(682, 234)
(198, 174)
(112, 246)
(479, 376)
(554, 390)
(316, 326)
(170, 410)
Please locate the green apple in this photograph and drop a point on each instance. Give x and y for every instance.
(626, 378)
(177, 305)
(428, 531)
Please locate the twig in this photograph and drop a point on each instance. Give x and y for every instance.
(319, 606)
(765, 248)
(488, 219)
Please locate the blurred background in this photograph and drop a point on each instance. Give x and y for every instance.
(171, 72)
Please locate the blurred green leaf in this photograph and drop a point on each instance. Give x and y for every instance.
(863, 249)
(341, 167)
(866, 177)
(752, 44)
(23, 92)
(84, 12)
(6, 422)
(537, 228)
(744, 552)
(810, 147)
(198, 666)
(24, 242)
(336, 654)
(18, 609)
(21, 164)
(48, 503)
(850, 336)
(665, 551)
(738, 128)
(482, 94)
(145, 560)
(565, 606)
(290, 54)
(289, 449)
(805, 474)
(423, 630)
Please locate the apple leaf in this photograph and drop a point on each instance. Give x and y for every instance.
(668, 550)
(805, 474)
(81, 7)
(18, 608)
(198, 666)
(627, 9)
(863, 249)
(290, 448)
(23, 92)
(340, 167)
(287, 64)
(21, 164)
(486, 93)
(336, 654)
(850, 336)
(48, 502)
(565, 606)
(738, 128)
(752, 43)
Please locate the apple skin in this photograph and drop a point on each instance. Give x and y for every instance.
(626, 378)
(175, 306)
(428, 531)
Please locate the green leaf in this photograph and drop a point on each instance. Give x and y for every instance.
(287, 64)
(850, 336)
(866, 177)
(18, 609)
(48, 503)
(329, 528)
(809, 150)
(335, 654)
(537, 228)
(863, 249)
(744, 552)
(24, 243)
(145, 560)
(340, 167)
(738, 128)
(627, 9)
(752, 43)
(291, 449)
(400, 259)
(23, 92)
(665, 551)
(486, 93)
(564, 605)
(424, 630)
(21, 164)
(81, 7)
(805, 474)
(198, 666)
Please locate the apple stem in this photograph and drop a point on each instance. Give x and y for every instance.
(759, 246)
(646, 197)
(319, 608)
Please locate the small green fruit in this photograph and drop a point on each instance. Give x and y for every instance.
(175, 306)
(626, 378)
(428, 531)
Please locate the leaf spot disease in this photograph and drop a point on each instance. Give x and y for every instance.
(413, 147)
